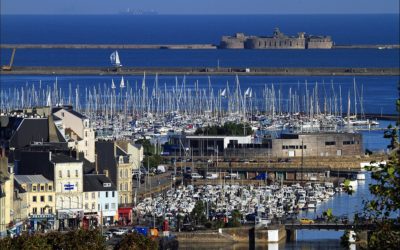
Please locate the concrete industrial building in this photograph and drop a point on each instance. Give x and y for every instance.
(278, 40)
(286, 145)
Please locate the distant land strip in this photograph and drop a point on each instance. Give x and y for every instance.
(264, 71)
(167, 46)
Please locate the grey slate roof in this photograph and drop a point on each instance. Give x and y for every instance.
(106, 159)
(94, 182)
(31, 179)
(61, 158)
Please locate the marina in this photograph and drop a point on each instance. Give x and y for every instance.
(156, 128)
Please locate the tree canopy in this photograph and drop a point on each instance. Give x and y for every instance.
(229, 128)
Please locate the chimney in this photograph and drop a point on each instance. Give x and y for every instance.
(49, 155)
(3, 151)
(97, 164)
(105, 171)
(77, 155)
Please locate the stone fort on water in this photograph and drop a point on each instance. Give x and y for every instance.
(277, 41)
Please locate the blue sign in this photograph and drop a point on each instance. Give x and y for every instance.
(68, 186)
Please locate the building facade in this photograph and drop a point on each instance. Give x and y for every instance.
(117, 164)
(6, 194)
(68, 182)
(278, 40)
(77, 130)
(100, 201)
(38, 199)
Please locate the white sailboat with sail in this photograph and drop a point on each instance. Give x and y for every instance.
(114, 58)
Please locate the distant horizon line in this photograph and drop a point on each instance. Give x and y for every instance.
(188, 14)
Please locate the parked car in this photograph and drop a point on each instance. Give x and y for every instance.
(195, 176)
(187, 227)
(232, 176)
(212, 176)
(116, 232)
(306, 221)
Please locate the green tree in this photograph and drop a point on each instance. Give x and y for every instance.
(235, 220)
(229, 128)
(135, 241)
(198, 214)
(386, 193)
(79, 239)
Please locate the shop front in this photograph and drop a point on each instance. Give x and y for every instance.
(90, 220)
(41, 222)
(69, 218)
(124, 216)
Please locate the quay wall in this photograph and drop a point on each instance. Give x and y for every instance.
(315, 71)
(226, 43)
(230, 235)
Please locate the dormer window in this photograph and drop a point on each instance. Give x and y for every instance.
(106, 184)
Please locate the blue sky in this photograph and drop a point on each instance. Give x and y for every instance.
(199, 6)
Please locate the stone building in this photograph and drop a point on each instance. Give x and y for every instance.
(76, 130)
(6, 194)
(39, 200)
(278, 40)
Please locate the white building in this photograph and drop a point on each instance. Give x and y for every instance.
(76, 130)
(100, 198)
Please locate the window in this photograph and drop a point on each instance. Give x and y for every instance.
(86, 196)
(68, 173)
(112, 205)
(126, 186)
(62, 114)
(50, 211)
(98, 207)
(34, 210)
(33, 187)
(86, 136)
(106, 206)
(113, 194)
(41, 188)
(76, 173)
(42, 210)
(120, 173)
(106, 194)
(50, 187)
(86, 206)
(348, 142)
(93, 206)
(60, 174)
(93, 195)
(120, 186)
(50, 198)
(42, 198)
(330, 143)
(85, 143)
(34, 199)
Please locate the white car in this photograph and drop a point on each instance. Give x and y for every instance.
(117, 232)
(232, 176)
(212, 176)
(195, 176)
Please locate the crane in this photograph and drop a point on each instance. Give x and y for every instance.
(8, 67)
